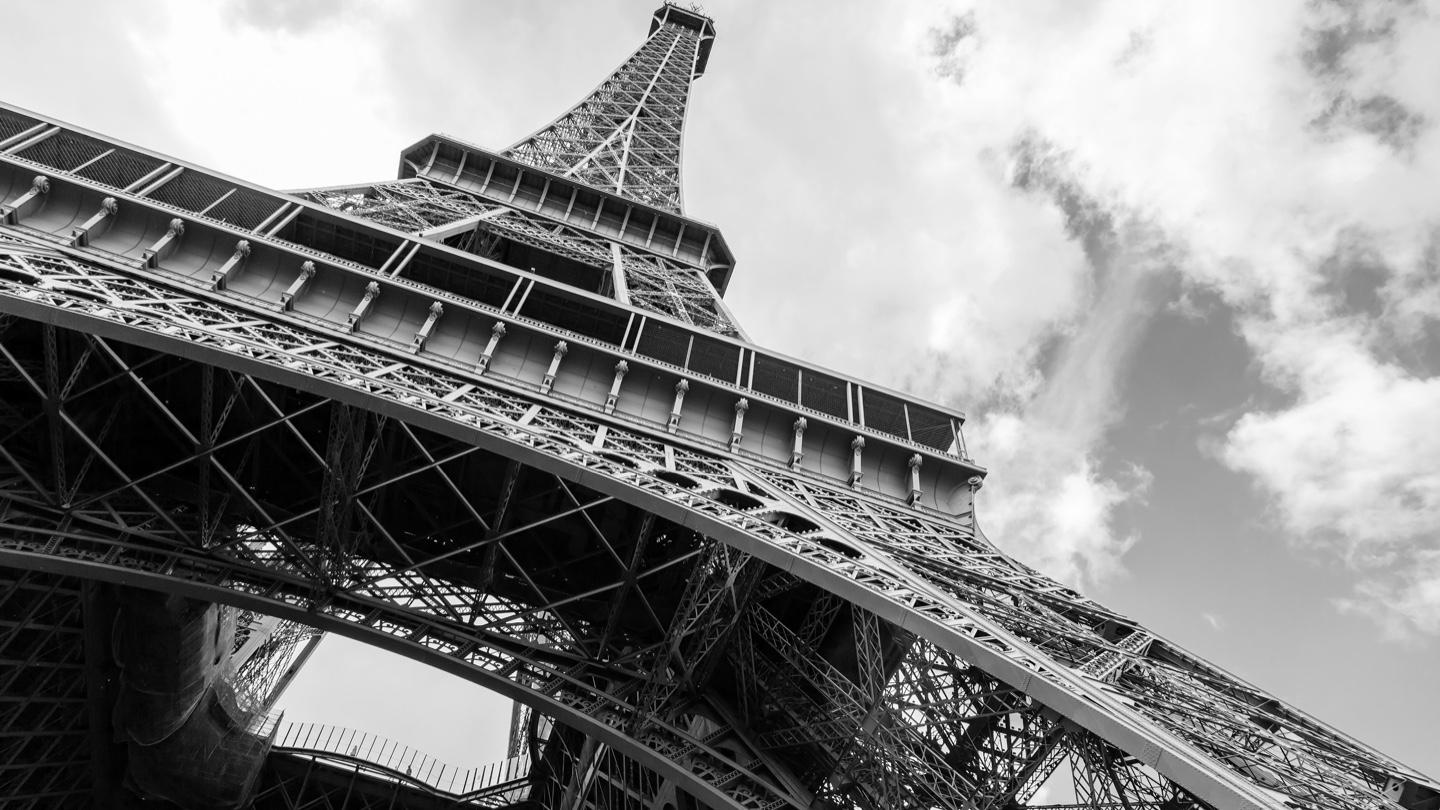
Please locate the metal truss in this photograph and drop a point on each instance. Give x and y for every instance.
(803, 645)
(414, 206)
(436, 210)
(265, 657)
(45, 753)
(625, 137)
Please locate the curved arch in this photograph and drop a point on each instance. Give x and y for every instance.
(428, 649)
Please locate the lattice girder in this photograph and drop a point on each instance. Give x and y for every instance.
(435, 210)
(45, 756)
(625, 137)
(964, 597)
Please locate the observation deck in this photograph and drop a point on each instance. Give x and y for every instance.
(439, 310)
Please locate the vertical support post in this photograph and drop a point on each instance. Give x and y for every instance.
(80, 237)
(798, 451)
(738, 432)
(221, 277)
(915, 462)
(617, 273)
(561, 349)
(287, 298)
(496, 332)
(960, 439)
(975, 483)
(857, 444)
(436, 310)
(165, 245)
(621, 368)
(372, 291)
(12, 214)
(680, 389)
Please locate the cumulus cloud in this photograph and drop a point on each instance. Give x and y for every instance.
(1293, 181)
(1405, 605)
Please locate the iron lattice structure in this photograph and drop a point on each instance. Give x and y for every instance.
(434, 415)
(625, 136)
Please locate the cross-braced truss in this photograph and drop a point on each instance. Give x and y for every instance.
(435, 210)
(45, 754)
(625, 137)
(749, 634)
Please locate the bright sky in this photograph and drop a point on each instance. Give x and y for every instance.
(1179, 261)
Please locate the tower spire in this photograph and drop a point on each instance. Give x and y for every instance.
(625, 137)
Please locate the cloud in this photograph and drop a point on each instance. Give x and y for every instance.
(285, 15)
(1290, 180)
(1214, 621)
(1406, 604)
(1354, 461)
(951, 44)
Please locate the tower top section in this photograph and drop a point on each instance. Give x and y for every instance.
(692, 18)
(625, 137)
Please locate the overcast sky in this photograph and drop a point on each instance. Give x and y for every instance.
(1178, 261)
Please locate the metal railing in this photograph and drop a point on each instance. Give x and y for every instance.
(506, 779)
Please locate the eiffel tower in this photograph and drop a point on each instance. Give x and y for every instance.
(496, 417)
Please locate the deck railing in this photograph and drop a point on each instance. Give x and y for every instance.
(505, 779)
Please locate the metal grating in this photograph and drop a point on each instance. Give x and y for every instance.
(476, 283)
(775, 378)
(364, 247)
(245, 208)
(64, 151)
(120, 169)
(191, 191)
(577, 317)
(12, 124)
(885, 414)
(663, 342)
(823, 393)
(714, 359)
(930, 428)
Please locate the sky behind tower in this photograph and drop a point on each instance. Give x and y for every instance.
(1179, 262)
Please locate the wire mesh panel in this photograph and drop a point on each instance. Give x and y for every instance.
(245, 208)
(12, 124)
(823, 393)
(663, 342)
(119, 169)
(930, 428)
(477, 283)
(362, 246)
(603, 325)
(714, 359)
(885, 414)
(775, 378)
(191, 191)
(64, 151)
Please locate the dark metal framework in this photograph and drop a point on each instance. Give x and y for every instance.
(700, 611)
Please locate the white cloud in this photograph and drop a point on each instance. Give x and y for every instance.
(1354, 460)
(1405, 604)
(1286, 165)
(1265, 152)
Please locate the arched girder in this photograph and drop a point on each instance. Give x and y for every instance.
(925, 574)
